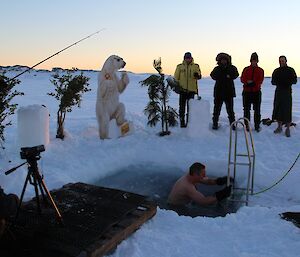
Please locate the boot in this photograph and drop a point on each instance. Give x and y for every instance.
(257, 128)
(182, 123)
(215, 126)
(231, 120)
(246, 125)
(287, 132)
(278, 130)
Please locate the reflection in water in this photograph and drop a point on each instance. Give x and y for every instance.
(156, 182)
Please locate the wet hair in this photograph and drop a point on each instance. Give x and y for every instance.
(196, 168)
(283, 56)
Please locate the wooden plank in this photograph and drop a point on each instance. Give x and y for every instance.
(292, 216)
(96, 220)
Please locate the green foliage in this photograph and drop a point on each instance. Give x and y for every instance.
(68, 91)
(157, 108)
(157, 65)
(7, 108)
(174, 85)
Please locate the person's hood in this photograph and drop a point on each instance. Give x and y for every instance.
(185, 63)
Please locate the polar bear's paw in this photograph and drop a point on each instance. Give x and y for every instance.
(124, 78)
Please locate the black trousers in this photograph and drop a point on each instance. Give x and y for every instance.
(218, 102)
(184, 97)
(252, 98)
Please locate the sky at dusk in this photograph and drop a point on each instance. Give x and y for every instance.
(141, 31)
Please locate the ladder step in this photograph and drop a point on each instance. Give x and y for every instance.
(234, 200)
(241, 163)
(240, 188)
(245, 155)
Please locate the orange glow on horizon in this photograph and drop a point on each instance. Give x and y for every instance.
(85, 58)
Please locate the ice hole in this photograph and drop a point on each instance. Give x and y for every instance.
(156, 182)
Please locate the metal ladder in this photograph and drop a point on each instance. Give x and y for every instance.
(250, 156)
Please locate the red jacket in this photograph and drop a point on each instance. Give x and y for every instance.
(256, 74)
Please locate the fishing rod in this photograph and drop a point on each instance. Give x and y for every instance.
(28, 69)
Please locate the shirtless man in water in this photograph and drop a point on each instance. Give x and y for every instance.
(184, 190)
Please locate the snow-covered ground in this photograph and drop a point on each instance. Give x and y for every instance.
(256, 230)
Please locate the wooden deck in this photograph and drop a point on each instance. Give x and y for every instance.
(96, 219)
(292, 216)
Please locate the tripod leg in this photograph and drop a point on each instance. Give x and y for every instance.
(58, 215)
(41, 189)
(35, 184)
(21, 197)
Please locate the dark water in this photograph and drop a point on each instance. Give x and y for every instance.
(156, 182)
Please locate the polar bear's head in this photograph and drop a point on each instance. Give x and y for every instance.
(113, 63)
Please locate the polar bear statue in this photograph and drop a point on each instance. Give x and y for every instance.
(110, 86)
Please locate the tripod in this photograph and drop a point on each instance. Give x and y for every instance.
(34, 178)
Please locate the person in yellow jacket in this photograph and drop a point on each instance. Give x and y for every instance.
(187, 73)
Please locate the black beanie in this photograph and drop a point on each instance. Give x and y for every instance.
(187, 55)
(254, 56)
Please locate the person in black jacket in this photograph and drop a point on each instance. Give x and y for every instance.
(224, 90)
(283, 78)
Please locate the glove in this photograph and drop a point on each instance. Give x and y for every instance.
(251, 84)
(223, 180)
(224, 193)
(196, 75)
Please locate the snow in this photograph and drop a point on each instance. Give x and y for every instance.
(33, 125)
(256, 230)
(199, 118)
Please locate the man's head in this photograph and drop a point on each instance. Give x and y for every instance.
(282, 61)
(188, 57)
(254, 58)
(197, 169)
(223, 59)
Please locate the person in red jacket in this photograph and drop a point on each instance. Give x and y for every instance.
(252, 78)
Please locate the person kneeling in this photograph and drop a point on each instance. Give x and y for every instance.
(184, 190)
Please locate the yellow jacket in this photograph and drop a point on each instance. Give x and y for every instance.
(185, 75)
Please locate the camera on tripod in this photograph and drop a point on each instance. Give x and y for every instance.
(31, 152)
(32, 155)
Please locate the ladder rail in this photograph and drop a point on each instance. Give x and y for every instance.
(249, 159)
(250, 155)
(253, 152)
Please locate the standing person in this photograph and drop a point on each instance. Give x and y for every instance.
(252, 78)
(283, 78)
(224, 90)
(187, 73)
